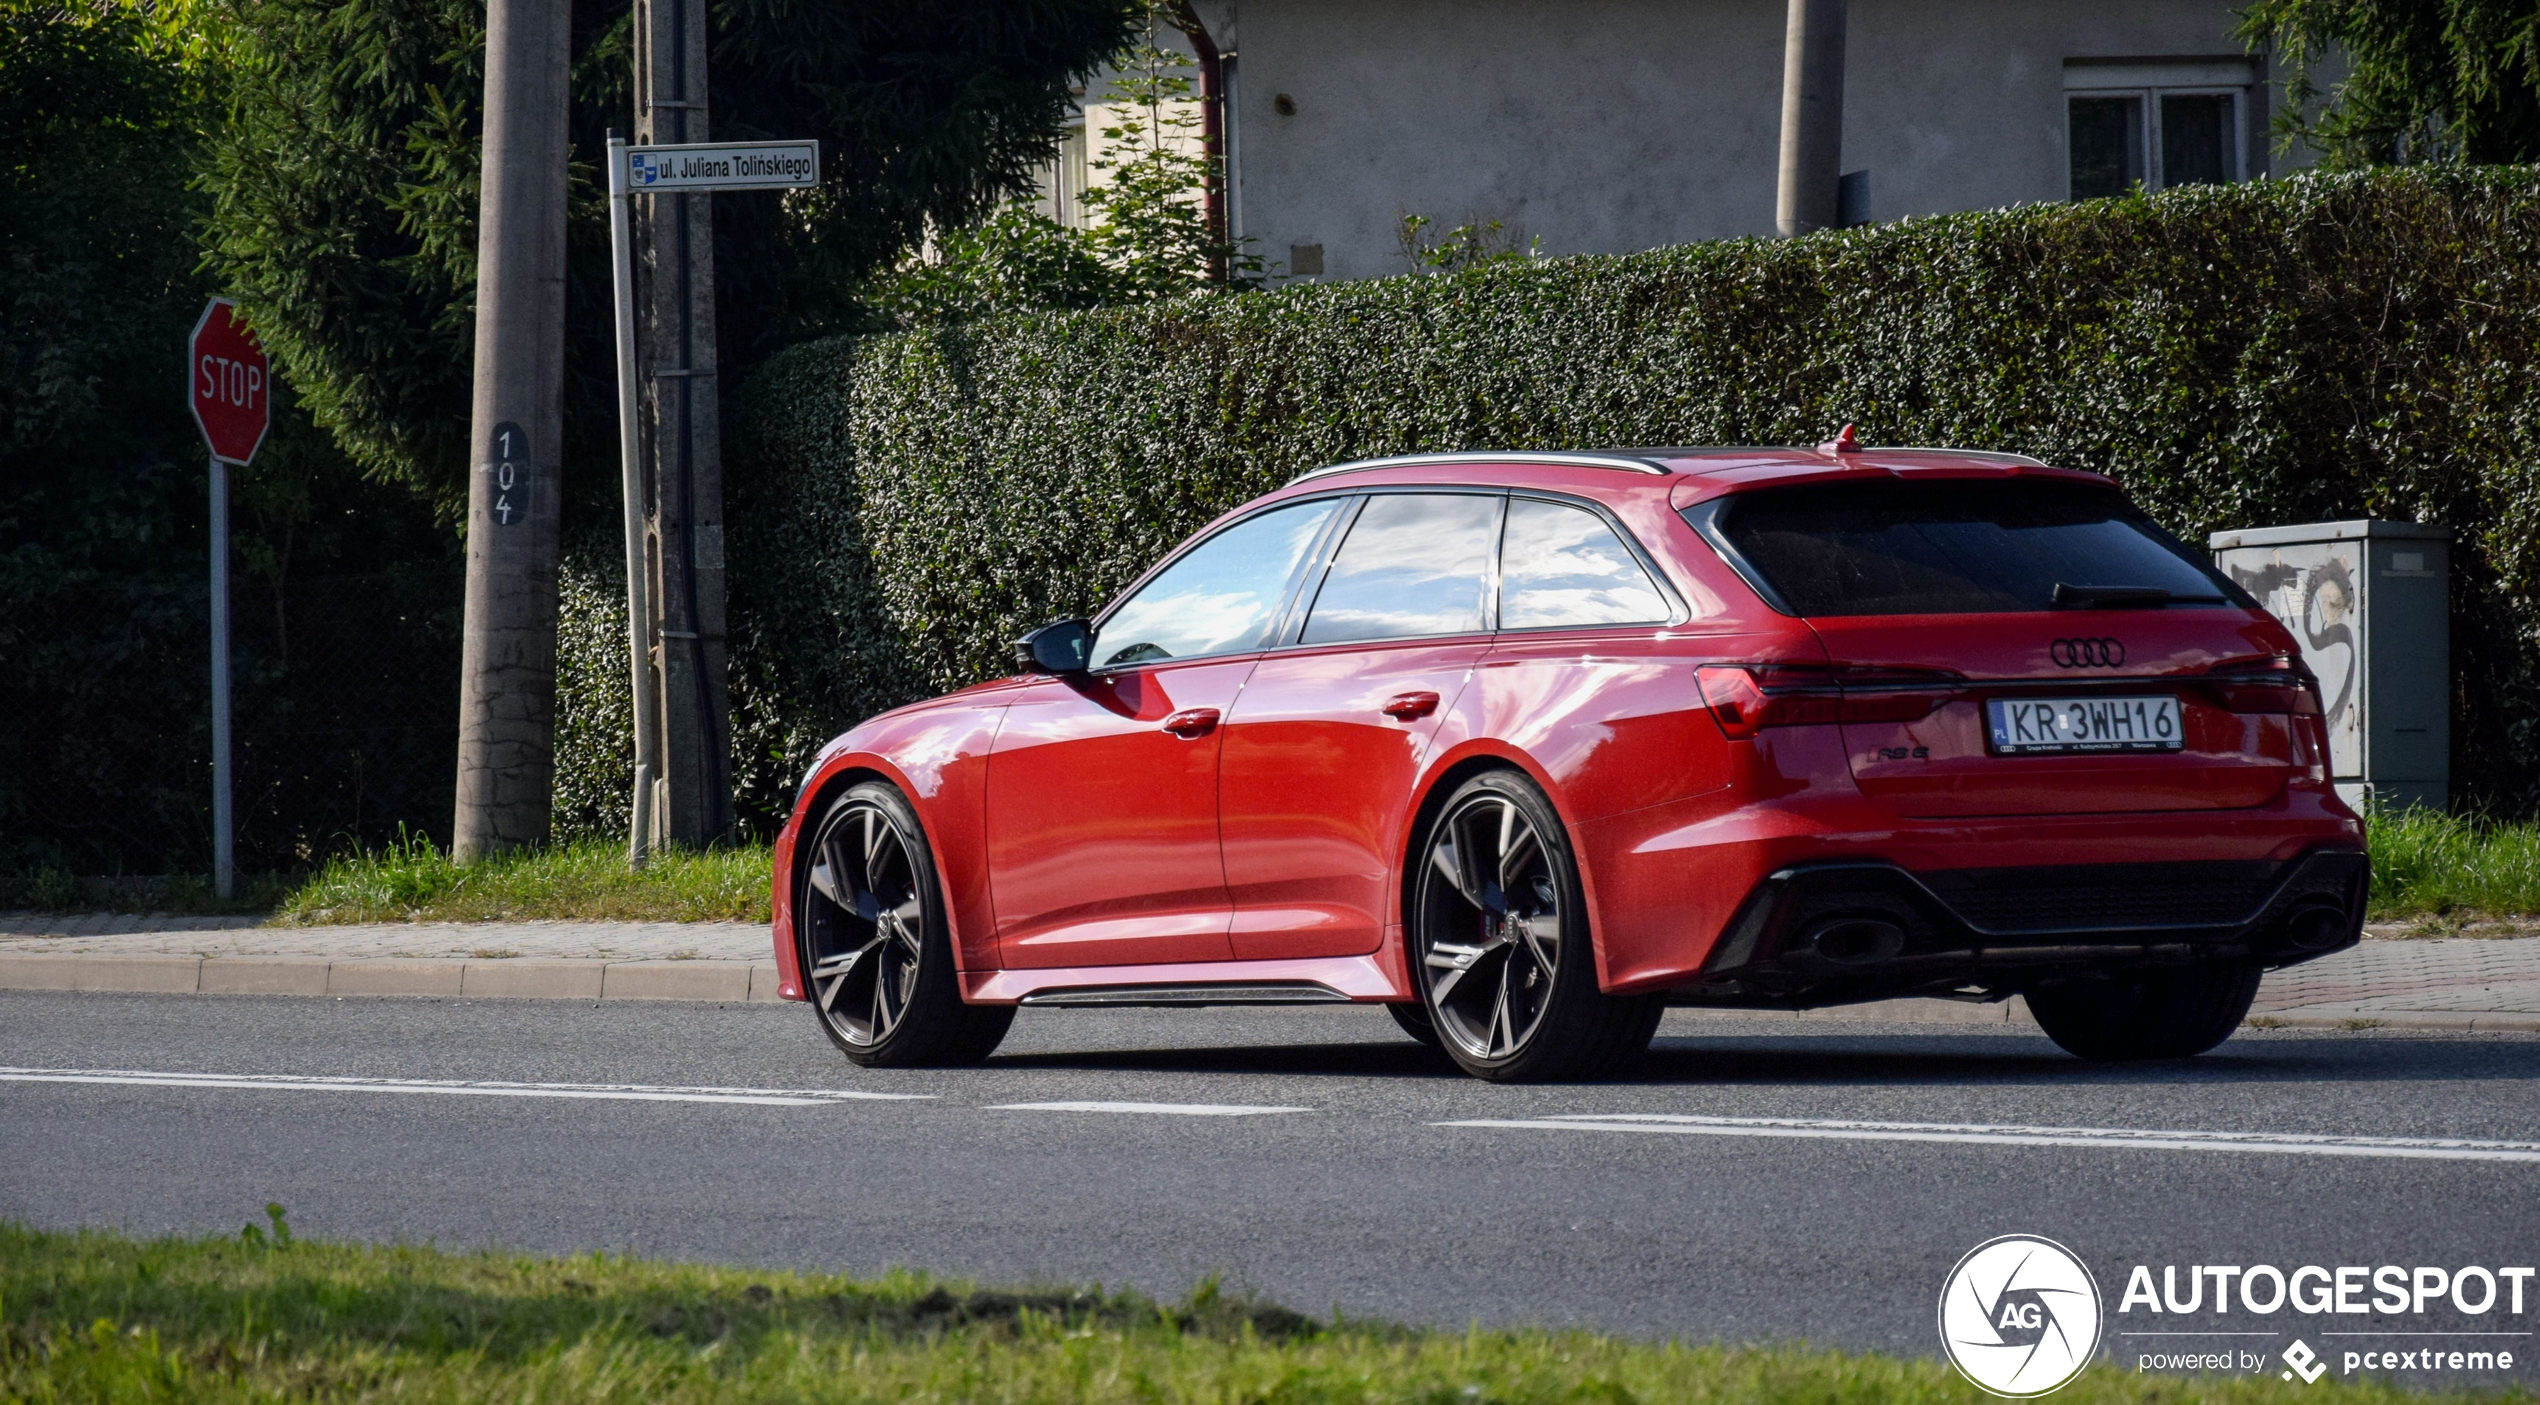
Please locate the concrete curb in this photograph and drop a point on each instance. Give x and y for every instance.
(469, 978)
(733, 982)
(529, 978)
(2460, 1022)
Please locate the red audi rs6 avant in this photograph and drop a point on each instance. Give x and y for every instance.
(1527, 747)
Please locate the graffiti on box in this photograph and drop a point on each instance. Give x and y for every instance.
(2312, 589)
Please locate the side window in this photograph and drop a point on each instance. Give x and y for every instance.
(1414, 564)
(1222, 597)
(1562, 565)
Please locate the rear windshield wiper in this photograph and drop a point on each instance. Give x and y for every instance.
(2123, 597)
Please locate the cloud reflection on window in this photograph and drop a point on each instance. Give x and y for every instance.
(1415, 564)
(1563, 565)
(1219, 598)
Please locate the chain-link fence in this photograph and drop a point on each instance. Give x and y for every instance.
(345, 716)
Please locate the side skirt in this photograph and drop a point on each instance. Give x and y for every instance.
(1316, 980)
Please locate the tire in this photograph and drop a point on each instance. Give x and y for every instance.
(1414, 1019)
(2174, 1014)
(875, 944)
(1509, 984)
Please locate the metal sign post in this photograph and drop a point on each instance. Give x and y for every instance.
(230, 387)
(792, 165)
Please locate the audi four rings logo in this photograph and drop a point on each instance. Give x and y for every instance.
(2086, 653)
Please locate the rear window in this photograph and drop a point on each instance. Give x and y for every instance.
(1953, 548)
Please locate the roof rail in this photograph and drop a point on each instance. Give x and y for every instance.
(1626, 462)
(1687, 451)
(1983, 455)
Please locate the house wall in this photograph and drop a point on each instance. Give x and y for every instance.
(1601, 126)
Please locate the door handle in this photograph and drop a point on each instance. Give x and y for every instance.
(1410, 707)
(1191, 723)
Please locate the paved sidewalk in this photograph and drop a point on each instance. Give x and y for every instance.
(2448, 983)
(536, 960)
(118, 935)
(2452, 983)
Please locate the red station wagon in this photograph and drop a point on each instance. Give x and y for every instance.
(1527, 747)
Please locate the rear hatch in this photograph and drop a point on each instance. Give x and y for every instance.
(2024, 646)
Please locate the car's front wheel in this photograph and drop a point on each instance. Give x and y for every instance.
(1414, 1019)
(876, 946)
(2173, 1014)
(1499, 943)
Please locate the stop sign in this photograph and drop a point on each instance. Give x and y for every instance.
(233, 386)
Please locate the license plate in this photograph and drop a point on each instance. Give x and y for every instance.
(2022, 726)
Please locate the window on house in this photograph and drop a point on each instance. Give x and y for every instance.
(2107, 144)
(1059, 184)
(1072, 177)
(2196, 139)
(2157, 124)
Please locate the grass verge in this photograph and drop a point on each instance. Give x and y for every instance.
(95, 1316)
(412, 881)
(2445, 870)
(2427, 864)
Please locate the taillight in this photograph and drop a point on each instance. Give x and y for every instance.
(2276, 683)
(1745, 698)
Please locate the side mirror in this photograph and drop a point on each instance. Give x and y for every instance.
(1064, 647)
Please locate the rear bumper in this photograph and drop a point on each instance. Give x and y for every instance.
(1836, 932)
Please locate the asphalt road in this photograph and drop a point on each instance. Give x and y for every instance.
(1360, 1201)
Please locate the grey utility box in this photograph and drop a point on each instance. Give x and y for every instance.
(2369, 603)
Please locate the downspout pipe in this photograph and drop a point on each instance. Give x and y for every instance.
(1212, 130)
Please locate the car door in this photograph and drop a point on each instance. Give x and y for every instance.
(1102, 787)
(1592, 676)
(1326, 741)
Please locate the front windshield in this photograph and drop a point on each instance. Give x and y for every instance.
(1221, 597)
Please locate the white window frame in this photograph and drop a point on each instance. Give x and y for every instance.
(2149, 82)
(1074, 175)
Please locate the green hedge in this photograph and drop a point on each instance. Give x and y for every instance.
(2281, 351)
(772, 735)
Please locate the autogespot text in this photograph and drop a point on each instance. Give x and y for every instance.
(2466, 1319)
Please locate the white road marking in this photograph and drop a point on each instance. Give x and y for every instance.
(485, 1088)
(2282, 1143)
(1169, 1109)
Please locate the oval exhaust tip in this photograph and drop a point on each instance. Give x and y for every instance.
(2316, 928)
(1858, 941)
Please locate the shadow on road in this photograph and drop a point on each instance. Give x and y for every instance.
(1907, 1059)
(1904, 1058)
(1367, 1060)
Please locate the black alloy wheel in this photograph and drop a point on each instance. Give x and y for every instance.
(876, 949)
(1499, 940)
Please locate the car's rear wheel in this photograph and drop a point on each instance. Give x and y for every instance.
(2174, 1014)
(876, 946)
(1499, 943)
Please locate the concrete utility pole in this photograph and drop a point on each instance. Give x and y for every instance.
(1812, 117)
(682, 438)
(507, 677)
